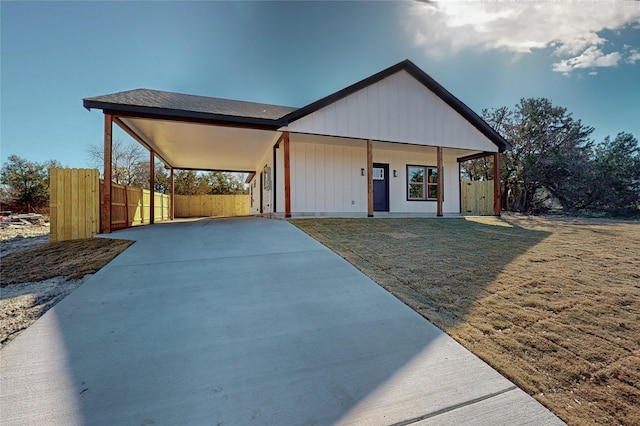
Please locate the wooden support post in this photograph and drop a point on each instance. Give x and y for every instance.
(369, 178)
(152, 183)
(497, 193)
(172, 196)
(440, 182)
(287, 175)
(106, 193)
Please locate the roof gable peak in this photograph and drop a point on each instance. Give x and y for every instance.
(422, 77)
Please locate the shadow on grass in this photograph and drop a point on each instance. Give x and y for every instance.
(551, 303)
(440, 268)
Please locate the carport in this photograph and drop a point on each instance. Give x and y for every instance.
(190, 132)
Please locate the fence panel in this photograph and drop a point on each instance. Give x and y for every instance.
(161, 207)
(211, 205)
(131, 206)
(76, 201)
(74, 204)
(477, 198)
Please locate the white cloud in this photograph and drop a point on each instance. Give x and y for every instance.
(571, 29)
(634, 56)
(592, 57)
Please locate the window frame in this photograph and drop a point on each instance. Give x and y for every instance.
(425, 185)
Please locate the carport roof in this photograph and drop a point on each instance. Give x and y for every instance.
(159, 103)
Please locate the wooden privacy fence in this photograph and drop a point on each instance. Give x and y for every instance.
(74, 203)
(75, 199)
(476, 198)
(131, 206)
(211, 205)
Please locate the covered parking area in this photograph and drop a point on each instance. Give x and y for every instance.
(188, 132)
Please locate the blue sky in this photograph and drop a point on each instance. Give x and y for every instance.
(584, 56)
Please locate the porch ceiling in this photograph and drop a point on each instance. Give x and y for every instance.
(186, 145)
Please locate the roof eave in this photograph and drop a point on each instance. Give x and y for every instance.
(180, 115)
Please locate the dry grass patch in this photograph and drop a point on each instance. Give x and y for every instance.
(552, 303)
(72, 259)
(35, 280)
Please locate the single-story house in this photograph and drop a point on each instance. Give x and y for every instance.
(388, 144)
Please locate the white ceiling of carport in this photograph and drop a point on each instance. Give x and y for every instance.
(187, 145)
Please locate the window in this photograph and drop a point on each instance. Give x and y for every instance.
(422, 183)
(378, 173)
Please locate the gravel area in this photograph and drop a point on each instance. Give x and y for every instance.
(15, 238)
(22, 304)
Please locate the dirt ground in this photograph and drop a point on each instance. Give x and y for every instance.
(36, 274)
(551, 303)
(21, 237)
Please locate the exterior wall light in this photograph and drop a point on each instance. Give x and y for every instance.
(395, 173)
(363, 172)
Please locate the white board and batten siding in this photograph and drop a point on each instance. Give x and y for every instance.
(326, 177)
(396, 109)
(264, 167)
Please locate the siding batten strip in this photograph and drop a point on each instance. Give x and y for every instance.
(106, 192)
(440, 182)
(287, 175)
(369, 178)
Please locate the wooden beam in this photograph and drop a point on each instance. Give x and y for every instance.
(106, 192)
(152, 183)
(369, 178)
(497, 193)
(287, 175)
(440, 182)
(172, 195)
(243, 123)
(474, 156)
(138, 139)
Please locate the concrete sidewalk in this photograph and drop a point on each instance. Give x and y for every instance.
(244, 321)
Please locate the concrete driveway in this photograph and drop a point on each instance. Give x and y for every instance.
(244, 321)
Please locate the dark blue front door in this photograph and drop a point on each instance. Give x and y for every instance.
(380, 187)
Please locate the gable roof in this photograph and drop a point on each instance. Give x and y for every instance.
(156, 102)
(423, 78)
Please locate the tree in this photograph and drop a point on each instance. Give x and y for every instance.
(27, 182)
(125, 159)
(226, 183)
(188, 182)
(550, 157)
(616, 179)
(160, 175)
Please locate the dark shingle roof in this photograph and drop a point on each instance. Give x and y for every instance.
(159, 102)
